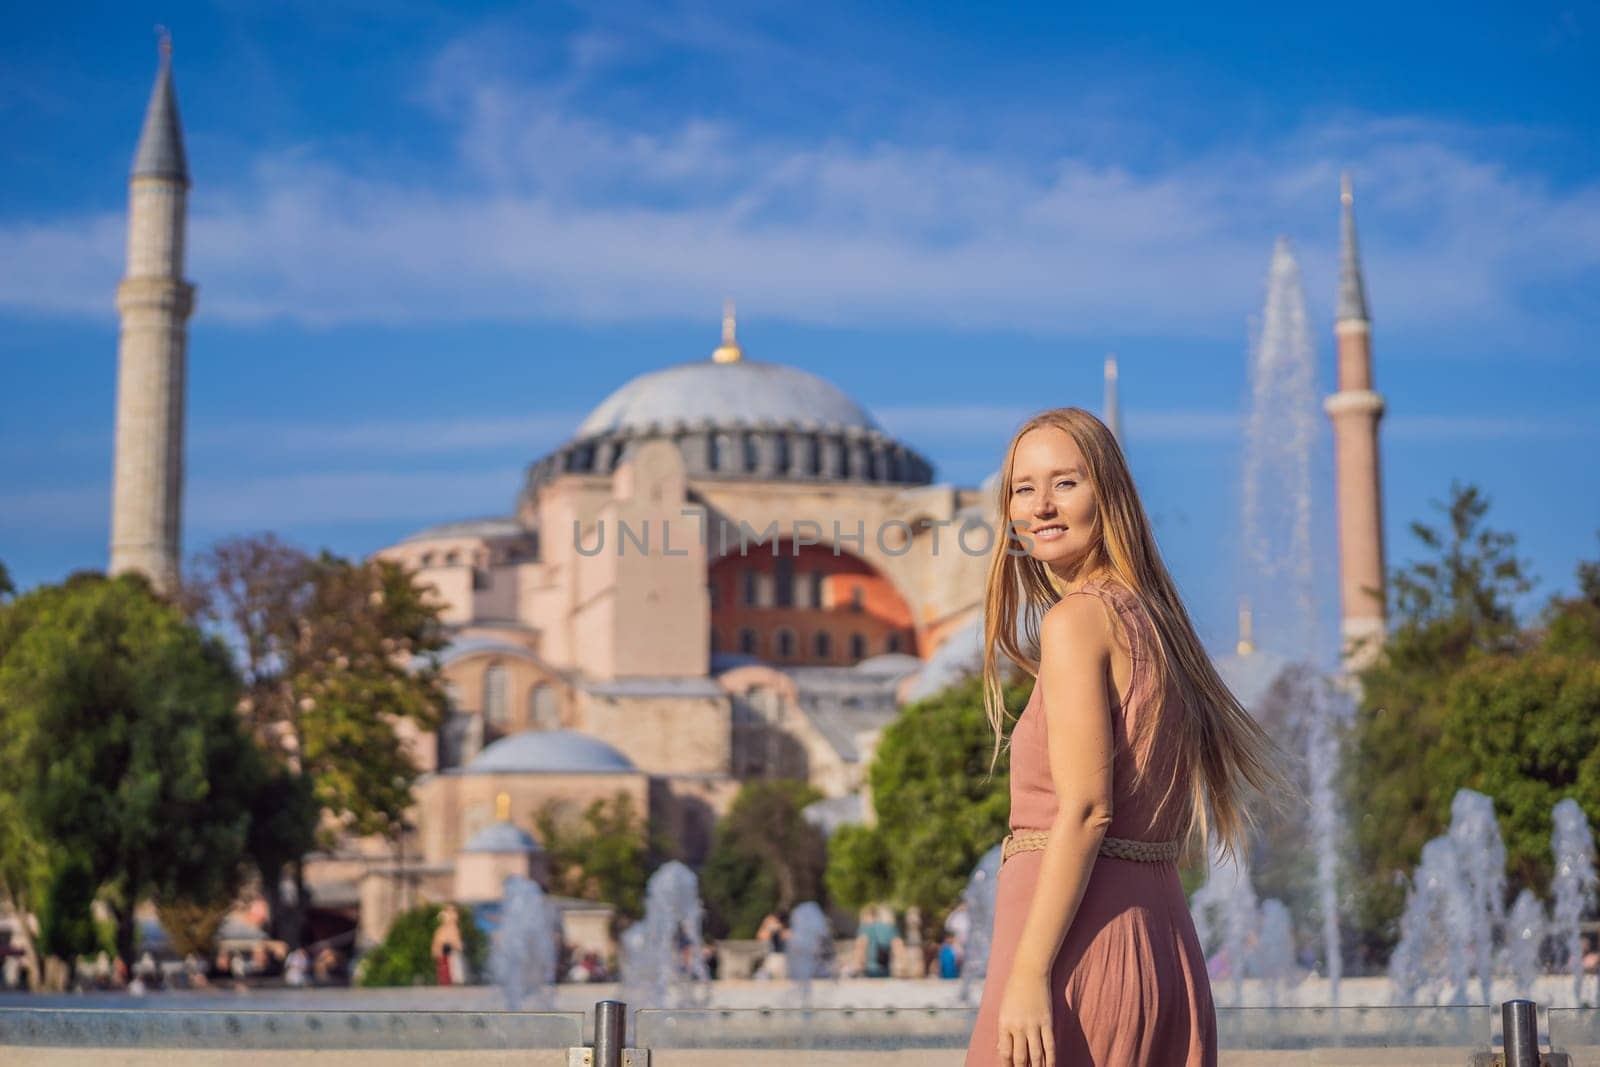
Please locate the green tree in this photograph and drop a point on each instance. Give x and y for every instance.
(1525, 730)
(335, 655)
(604, 854)
(938, 809)
(6, 588)
(1572, 624)
(764, 857)
(405, 956)
(120, 744)
(1452, 607)
(66, 923)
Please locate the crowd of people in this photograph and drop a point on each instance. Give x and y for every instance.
(879, 950)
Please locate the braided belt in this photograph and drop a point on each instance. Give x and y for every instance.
(1118, 848)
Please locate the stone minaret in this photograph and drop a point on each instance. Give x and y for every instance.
(1355, 410)
(154, 302)
(1112, 409)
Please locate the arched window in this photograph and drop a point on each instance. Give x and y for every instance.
(891, 643)
(747, 579)
(752, 457)
(822, 645)
(749, 642)
(496, 710)
(785, 581)
(817, 578)
(858, 647)
(544, 712)
(722, 454)
(785, 639)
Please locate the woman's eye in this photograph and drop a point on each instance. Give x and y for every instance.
(1067, 482)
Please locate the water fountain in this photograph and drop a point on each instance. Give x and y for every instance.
(1573, 885)
(526, 950)
(979, 898)
(810, 937)
(1482, 857)
(662, 961)
(1241, 935)
(1455, 910)
(1282, 447)
(1525, 934)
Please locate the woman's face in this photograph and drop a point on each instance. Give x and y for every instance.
(1052, 504)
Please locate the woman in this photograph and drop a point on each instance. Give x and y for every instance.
(1130, 748)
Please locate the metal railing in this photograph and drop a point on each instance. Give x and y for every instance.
(623, 1038)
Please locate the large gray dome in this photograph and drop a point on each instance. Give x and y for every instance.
(744, 391)
(549, 752)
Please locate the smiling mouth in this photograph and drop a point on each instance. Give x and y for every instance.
(1051, 528)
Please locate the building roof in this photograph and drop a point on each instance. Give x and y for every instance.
(548, 752)
(742, 392)
(655, 687)
(487, 528)
(160, 152)
(502, 837)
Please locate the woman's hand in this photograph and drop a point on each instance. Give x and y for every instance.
(1027, 1031)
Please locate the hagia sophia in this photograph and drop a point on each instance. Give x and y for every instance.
(729, 571)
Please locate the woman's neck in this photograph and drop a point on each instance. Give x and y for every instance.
(1078, 575)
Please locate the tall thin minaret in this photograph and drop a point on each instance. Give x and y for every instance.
(1355, 410)
(154, 301)
(1113, 410)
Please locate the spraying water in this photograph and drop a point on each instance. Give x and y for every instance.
(662, 965)
(1482, 856)
(527, 946)
(979, 896)
(1573, 886)
(1525, 933)
(1281, 578)
(810, 934)
(1455, 910)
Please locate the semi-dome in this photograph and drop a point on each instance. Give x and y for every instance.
(502, 837)
(549, 752)
(743, 391)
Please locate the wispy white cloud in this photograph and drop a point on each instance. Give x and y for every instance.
(439, 436)
(548, 209)
(285, 501)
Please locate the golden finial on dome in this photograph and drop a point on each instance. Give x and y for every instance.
(729, 351)
(1247, 642)
(502, 807)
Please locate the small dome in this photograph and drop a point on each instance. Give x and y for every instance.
(502, 837)
(549, 752)
(744, 391)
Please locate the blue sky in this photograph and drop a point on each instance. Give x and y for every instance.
(428, 238)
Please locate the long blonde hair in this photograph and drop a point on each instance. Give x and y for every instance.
(1222, 752)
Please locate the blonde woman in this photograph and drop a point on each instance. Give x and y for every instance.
(1130, 749)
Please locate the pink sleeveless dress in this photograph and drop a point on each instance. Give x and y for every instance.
(1129, 981)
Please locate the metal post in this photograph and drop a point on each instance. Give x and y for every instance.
(1520, 1020)
(610, 1019)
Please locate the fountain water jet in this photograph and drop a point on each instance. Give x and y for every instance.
(1573, 886)
(527, 945)
(810, 935)
(1282, 447)
(662, 962)
(979, 897)
(1525, 934)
